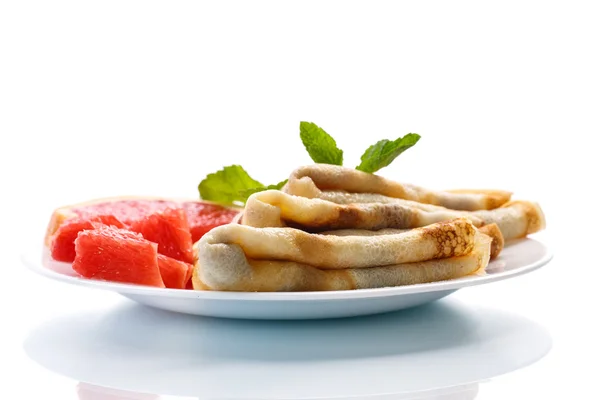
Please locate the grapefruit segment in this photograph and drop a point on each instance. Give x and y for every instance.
(168, 228)
(126, 210)
(62, 246)
(117, 255)
(190, 284)
(175, 274)
(202, 217)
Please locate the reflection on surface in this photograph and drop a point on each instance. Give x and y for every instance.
(87, 391)
(441, 345)
(462, 392)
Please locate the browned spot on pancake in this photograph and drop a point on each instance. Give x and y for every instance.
(452, 238)
(493, 231)
(345, 217)
(313, 247)
(348, 216)
(375, 216)
(398, 217)
(371, 216)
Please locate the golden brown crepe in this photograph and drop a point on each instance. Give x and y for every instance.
(273, 208)
(491, 230)
(324, 181)
(441, 240)
(230, 260)
(276, 208)
(515, 219)
(497, 245)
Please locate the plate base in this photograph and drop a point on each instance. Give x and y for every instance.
(289, 310)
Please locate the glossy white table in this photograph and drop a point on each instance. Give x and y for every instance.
(516, 338)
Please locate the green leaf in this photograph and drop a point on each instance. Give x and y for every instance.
(382, 153)
(227, 185)
(320, 146)
(248, 192)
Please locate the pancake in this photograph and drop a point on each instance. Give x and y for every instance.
(273, 208)
(317, 180)
(224, 264)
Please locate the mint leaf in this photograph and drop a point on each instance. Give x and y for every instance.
(382, 153)
(248, 192)
(320, 146)
(227, 185)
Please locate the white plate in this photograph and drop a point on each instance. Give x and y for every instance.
(517, 258)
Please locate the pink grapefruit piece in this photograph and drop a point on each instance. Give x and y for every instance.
(203, 217)
(126, 210)
(189, 285)
(175, 274)
(168, 228)
(62, 245)
(117, 255)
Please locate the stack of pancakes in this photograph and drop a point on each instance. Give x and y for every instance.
(335, 228)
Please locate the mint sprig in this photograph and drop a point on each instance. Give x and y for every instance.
(227, 186)
(321, 147)
(382, 153)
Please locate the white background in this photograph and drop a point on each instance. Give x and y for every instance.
(147, 97)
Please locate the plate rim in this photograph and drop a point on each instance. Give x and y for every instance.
(454, 284)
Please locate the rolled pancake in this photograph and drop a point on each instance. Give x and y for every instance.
(223, 266)
(497, 245)
(314, 181)
(273, 208)
(516, 219)
(441, 240)
(491, 230)
(341, 197)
